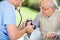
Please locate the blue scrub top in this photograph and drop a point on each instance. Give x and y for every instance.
(7, 16)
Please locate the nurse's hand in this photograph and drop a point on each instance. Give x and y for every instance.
(29, 29)
(22, 25)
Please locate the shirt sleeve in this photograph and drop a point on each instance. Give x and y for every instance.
(58, 32)
(36, 22)
(9, 16)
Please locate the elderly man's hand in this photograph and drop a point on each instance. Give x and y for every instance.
(50, 35)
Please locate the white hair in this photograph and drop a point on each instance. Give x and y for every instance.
(52, 3)
(55, 2)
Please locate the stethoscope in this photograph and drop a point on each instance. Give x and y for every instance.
(20, 16)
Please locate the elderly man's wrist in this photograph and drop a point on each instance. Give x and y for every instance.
(57, 36)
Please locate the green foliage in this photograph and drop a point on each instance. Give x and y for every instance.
(58, 2)
(25, 3)
(32, 4)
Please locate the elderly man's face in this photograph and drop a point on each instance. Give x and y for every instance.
(45, 9)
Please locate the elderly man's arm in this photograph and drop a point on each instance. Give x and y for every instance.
(58, 32)
(36, 22)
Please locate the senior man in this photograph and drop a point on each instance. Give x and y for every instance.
(48, 20)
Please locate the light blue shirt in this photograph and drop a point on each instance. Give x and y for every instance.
(7, 16)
